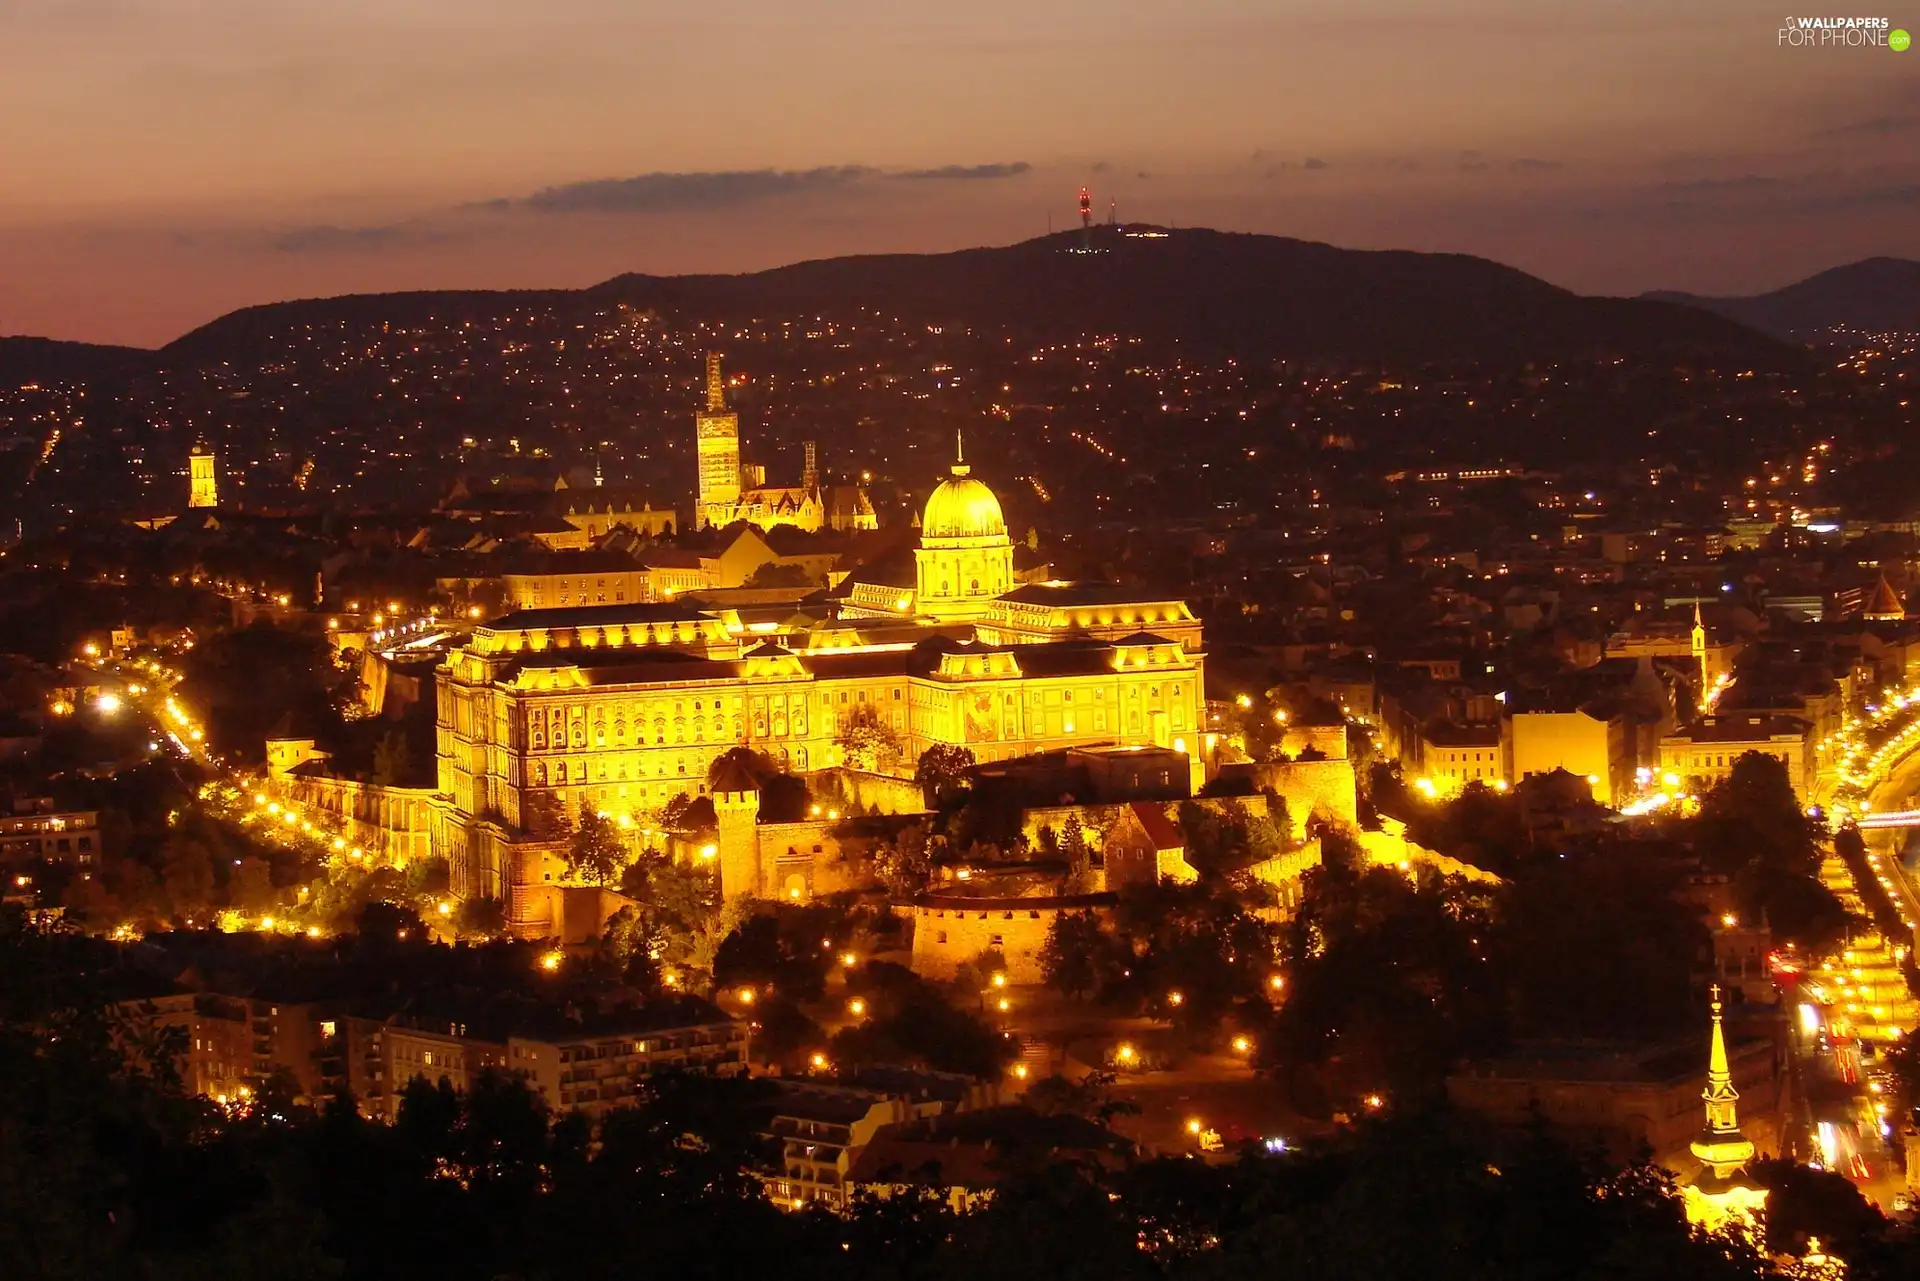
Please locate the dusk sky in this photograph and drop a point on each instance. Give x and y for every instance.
(169, 160)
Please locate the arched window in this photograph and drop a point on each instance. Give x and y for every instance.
(539, 737)
(800, 758)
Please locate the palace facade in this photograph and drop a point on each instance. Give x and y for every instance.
(624, 706)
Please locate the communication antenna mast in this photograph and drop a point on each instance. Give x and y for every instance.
(1086, 221)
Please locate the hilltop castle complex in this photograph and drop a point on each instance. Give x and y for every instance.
(622, 707)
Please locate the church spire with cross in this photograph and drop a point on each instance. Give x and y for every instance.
(1723, 1190)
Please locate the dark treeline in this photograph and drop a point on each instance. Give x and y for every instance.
(111, 1172)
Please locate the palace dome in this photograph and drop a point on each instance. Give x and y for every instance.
(962, 507)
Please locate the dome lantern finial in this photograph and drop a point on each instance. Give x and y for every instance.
(960, 467)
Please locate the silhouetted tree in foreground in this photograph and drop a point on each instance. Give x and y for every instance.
(111, 1173)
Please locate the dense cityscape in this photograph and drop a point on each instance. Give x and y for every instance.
(1154, 643)
(939, 793)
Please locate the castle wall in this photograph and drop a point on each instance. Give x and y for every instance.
(1329, 740)
(873, 793)
(948, 935)
(1387, 849)
(392, 823)
(813, 857)
(1325, 788)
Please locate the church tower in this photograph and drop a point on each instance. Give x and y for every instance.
(717, 434)
(1722, 1192)
(203, 483)
(1700, 647)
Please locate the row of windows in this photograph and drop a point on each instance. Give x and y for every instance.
(1722, 760)
(570, 719)
(564, 600)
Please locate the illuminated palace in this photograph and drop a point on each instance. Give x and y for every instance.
(730, 490)
(623, 707)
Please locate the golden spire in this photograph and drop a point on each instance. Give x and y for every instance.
(1722, 1145)
(716, 385)
(960, 467)
(1719, 1078)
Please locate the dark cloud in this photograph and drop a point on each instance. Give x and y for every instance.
(1472, 161)
(658, 192)
(1745, 182)
(1013, 170)
(1877, 127)
(1832, 201)
(653, 192)
(327, 238)
(1315, 162)
(1531, 164)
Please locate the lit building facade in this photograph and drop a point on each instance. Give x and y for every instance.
(717, 438)
(622, 707)
(1703, 754)
(731, 490)
(203, 481)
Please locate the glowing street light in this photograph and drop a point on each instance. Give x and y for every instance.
(551, 961)
(107, 704)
